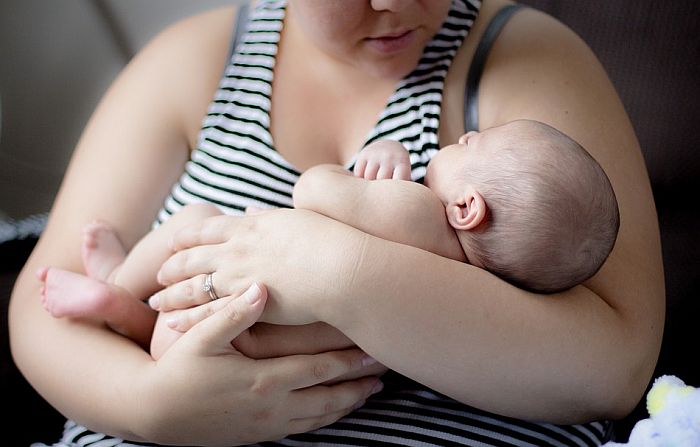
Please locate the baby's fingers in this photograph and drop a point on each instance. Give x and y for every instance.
(371, 171)
(402, 172)
(360, 166)
(385, 172)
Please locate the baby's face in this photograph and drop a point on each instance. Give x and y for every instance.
(448, 171)
(449, 168)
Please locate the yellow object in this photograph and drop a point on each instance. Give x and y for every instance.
(659, 393)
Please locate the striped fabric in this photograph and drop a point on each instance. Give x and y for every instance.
(236, 165)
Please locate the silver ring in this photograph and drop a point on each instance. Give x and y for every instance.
(209, 287)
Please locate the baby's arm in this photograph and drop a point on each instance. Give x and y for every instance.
(403, 212)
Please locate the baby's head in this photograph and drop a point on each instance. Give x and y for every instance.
(528, 203)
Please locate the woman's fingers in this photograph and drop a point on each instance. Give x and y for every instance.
(183, 295)
(303, 371)
(213, 230)
(265, 341)
(352, 394)
(186, 319)
(189, 263)
(323, 400)
(190, 293)
(236, 316)
(314, 423)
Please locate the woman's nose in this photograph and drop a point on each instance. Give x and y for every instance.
(387, 5)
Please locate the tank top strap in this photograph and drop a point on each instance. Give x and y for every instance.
(241, 21)
(471, 92)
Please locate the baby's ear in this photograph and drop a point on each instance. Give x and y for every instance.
(467, 212)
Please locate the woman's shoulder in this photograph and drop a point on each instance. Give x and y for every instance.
(536, 64)
(537, 33)
(530, 47)
(190, 56)
(197, 38)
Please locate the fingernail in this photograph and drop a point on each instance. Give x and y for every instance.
(253, 294)
(368, 360)
(377, 388)
(154, 302)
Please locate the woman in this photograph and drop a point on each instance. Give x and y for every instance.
(582, 355)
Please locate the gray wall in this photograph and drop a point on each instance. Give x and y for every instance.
(56, 60)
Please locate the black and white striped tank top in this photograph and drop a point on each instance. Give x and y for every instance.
(236, 165)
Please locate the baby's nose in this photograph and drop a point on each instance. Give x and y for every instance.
(464, 138)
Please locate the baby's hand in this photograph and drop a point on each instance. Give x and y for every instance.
(383, 159)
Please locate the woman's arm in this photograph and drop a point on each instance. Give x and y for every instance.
(130, 154)
(584, 354)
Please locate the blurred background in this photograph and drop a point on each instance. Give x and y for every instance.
(57, 58)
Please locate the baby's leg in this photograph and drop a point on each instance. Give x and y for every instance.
(138, 271)
(68, 294)
(102, 251)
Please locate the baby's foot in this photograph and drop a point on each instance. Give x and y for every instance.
(102, 250)
(68, 294)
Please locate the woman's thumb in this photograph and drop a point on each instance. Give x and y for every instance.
(237, 316)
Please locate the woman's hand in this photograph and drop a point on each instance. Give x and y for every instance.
(266, 248)
(264, 340)
(216, 395)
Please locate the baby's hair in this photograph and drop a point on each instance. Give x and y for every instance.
(553, 217)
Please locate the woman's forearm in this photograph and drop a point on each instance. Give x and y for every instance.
(85, 371)
(473, 337)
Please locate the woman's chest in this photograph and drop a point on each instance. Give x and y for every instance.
(312, 124)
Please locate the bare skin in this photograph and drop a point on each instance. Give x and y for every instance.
(116, 284)
(538, 70)
(102, 254)
(102, 251)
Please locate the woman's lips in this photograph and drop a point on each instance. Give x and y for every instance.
(392, 43)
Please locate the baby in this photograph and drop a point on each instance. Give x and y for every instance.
(521, 200)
